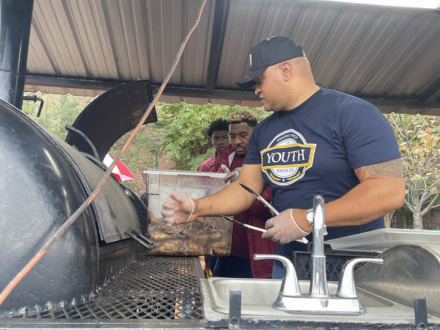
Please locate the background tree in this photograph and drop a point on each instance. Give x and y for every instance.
(182, 131)
(419, 138)
(58, 111)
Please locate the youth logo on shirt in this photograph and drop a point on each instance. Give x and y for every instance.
(287, 157)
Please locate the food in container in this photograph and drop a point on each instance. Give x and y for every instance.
(205, 235)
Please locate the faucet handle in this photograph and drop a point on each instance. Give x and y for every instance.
(290, 284)
(346, 287)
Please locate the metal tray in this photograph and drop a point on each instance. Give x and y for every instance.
(382, 239)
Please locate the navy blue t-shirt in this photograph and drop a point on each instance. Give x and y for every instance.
(314, 149)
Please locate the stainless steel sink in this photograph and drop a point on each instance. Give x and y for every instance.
(257, 296)
(260, 293)
(269, 301)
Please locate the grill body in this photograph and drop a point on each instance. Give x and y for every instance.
(44, 182)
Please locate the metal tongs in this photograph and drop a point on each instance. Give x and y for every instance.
(261, 199)
(244, 224)
(269, 206)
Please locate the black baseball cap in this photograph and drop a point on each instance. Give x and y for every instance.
(268, 52)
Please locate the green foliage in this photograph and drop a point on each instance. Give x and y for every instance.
(194, 162)
(58, 111)
(182, 129)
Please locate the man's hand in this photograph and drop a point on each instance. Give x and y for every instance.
(178, 210)
(283, 228)
(231, 176)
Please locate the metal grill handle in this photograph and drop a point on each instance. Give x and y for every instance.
(141, 239)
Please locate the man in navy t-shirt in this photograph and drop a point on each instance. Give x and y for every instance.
(316, 141)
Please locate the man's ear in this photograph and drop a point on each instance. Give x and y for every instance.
(286, 69)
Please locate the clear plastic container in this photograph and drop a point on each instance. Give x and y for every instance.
(205, 235)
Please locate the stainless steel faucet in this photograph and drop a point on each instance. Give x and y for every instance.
(290, 284)
(346, 286)
(318, 301)
(318, 284)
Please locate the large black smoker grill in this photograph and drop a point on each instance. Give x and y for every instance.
(96, 272)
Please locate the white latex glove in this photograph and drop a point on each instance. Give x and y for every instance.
(180, 209)
(283, 228)
(231, 176)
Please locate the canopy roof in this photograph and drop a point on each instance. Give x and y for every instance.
(389, 56)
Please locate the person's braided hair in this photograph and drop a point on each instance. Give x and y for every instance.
(240, 116)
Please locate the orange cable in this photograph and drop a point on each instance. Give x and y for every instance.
(48, 244)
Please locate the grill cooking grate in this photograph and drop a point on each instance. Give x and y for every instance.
(152, 287)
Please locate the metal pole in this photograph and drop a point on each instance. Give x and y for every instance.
(15, 27)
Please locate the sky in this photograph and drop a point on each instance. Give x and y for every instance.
(399, 3)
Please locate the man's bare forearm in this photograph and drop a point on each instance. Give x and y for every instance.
(233, 199)
(381, 190)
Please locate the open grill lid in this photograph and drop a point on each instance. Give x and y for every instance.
(110, 116)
